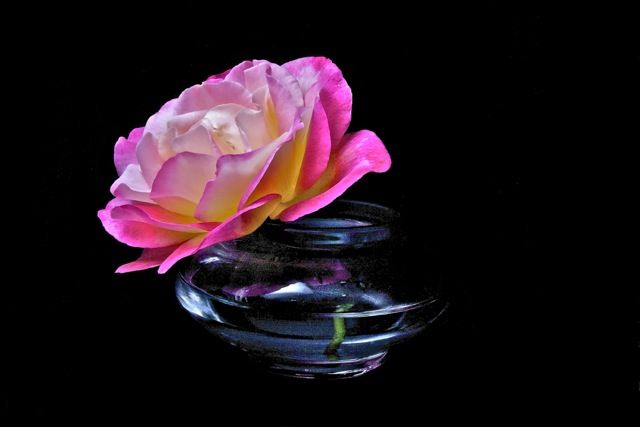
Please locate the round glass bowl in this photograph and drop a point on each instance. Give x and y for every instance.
(324, 296)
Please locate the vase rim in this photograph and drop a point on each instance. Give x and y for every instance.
(343, 215)
(341, 225)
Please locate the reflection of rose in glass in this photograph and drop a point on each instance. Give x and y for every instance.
(327, 272)
(258, 141)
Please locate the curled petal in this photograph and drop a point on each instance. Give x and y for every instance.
(318, 73)
(138, 234)
(186, 249)
(181, 181)
(243, 222)
(151, 257)
(236, 74)
(282, 172)
(149, 157)
(252, 193)
(238, 176)
(157, 123)
(218, 77)
(222, 195)
(208, 95)
(289, 82)
(197, 140)
(159, 217)
(124, 153)
(253, 127)
(358, 154)
(255, 77)
(240, 224)
(285, 99)
(182, 123)
(318, 148)
(131, 185)
(221, 121)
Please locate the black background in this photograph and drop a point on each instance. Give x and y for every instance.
(474, 111)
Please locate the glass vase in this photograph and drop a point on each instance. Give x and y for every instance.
(321, 297)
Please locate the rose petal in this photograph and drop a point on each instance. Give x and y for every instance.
(253, 127)
(131, 185)
(182, 123)
(359, 153)
(210, 94)
(149, 158)
(125, 150)
(197, 140)
(157, 123)
(240, 224)
(318, 148)
(289, 173)
(221, 76)
(221, 121)
(335, 93)
(252, 192)
(255, 77)
(138, 234)
(283, 169)
(159, 217)
(286, 98)
(288, 81)
(222, 195)
(243, 222)
(236, 74)
(151, 257)
(181, 181)
(135, 134)
(186, 249)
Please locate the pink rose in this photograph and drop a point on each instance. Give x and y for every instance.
(260, 140)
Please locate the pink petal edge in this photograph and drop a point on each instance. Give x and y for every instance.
(151, 257)
(335, 93)
(159, 217)
(186, 249)
(318, 148)
(181, 181)
(138, 234)
(236, 178)
(131, 185)
(240, 224)
(359, 153)
(124, 152)
(285, 138)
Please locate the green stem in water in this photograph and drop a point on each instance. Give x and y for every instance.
(339, 332)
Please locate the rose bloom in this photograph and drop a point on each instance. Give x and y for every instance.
(260, 140)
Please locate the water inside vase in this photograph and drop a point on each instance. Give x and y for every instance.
(324, 295)
(341, 321)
